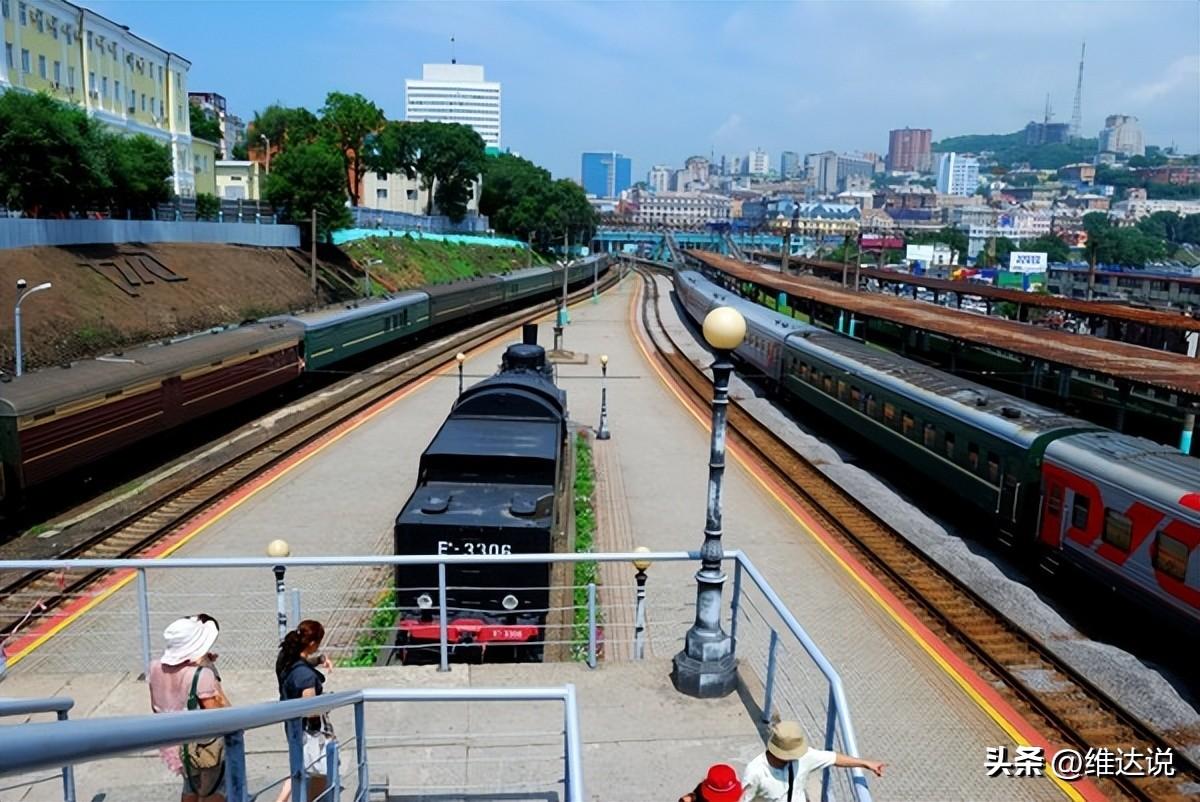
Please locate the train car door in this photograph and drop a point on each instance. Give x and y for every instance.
(172, 402)
(1052, 513)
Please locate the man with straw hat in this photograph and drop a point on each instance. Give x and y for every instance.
(779, 774)
(184, 678)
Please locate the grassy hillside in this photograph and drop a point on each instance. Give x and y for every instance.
(409, 263)
(1010, 149)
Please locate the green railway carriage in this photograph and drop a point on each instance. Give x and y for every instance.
(339, 332)
(987, 445)
(527, 282)
(462, 298)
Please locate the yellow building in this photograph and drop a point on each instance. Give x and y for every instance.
(204, 166)
(90, 61)
(239, 180)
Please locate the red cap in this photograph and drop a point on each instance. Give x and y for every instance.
(721, 784)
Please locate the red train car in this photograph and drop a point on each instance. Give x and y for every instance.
(1128, 510)
(57, 419)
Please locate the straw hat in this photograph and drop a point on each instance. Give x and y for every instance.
(721, 784)
(188, 639)
(787, 741)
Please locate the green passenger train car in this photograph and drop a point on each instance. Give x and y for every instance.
(339, 332)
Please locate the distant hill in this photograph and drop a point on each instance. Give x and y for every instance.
(1010, 149)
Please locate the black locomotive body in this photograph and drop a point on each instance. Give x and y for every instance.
(487, 485)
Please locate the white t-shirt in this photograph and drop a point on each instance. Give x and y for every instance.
(762, 782)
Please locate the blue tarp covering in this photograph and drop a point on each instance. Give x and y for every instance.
(351, 234)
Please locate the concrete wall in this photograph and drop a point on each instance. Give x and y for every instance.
(28, 233)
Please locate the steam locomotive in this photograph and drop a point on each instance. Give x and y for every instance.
(488, 484)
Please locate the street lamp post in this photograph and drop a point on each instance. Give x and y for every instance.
(267, 144)
(602, 433)
(22, 294)
(639, 615)
(706, 667)
(280, 549)
(460, 358)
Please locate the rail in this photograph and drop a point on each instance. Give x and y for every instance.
(33, 747)
(60, 706)
(751, 624)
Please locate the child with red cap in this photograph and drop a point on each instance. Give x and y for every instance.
(720, 785)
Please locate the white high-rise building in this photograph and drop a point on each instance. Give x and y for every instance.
(758, 162)
(455, 93)
(1123, 135)
(660, 178)
(957, 174)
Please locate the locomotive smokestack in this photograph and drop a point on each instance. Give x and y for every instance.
(529, 334)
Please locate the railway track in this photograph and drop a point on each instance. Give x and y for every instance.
(1056, 699)
(149, 524)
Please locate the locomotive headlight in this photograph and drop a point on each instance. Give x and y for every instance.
(425, 602)
(509, 602)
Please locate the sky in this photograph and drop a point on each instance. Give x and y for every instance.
(662, 81)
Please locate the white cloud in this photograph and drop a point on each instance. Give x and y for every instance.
(1182, 73)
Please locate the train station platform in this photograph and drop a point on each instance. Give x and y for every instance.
(927, 720)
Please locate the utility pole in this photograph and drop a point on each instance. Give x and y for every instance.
(312, 273)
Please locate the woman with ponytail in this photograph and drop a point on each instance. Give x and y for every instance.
(297, 670)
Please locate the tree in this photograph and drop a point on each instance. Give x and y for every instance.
(240, 152)
(521, 199)
(447, 153)
(281, 124)
(51, 156)
(1055, 249)
(1003, 247)
(203, 126)
(207, 206)
(1108, 244)
(348, 120)
(138, 169)
(308, 175)
(957, 240)
(394, 149)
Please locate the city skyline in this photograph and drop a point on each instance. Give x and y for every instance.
(951, 67)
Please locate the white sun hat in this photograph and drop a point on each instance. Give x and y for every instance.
(188, 639)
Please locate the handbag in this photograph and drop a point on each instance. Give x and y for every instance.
(201, 755)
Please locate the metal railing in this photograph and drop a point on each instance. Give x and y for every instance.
(60, 706)
(793, 674)
(34, 747)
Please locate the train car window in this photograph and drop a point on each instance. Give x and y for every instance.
(1171, 556)
(973, 456)
(930, 435)
(950, 445)
(1118, 530)
(993, 468)
(855, 395)
(907, 424)
(872, 405)
(1054, 500)
(804, 370)
(889, 412)
(843, 389)
(1079, 512)
(828, 383)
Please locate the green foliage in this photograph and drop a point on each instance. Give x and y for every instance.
(1124, 180)
(586, 573)
(348, 120)
(447, 154)
(240, 152)
(394, 149)
(1003, 247)
(282, 125)
(138, 169)
(1172, 227)
(54, 160)
(1010, 149)
(203, 126)
(1160, 191)
(51, 156)
(1055, 249)
(1108, 244)
(521, 199)
(207, 206)
(378, 629)
(410, 263)
(953, 237)
(310, 175)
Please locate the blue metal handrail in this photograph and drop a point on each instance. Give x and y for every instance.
(32, 747)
